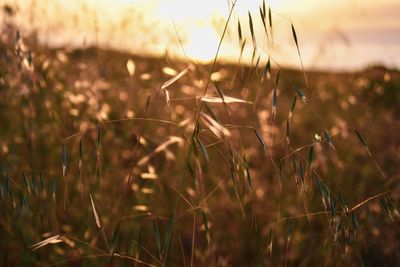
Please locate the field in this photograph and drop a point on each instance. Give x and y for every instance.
(109, 159)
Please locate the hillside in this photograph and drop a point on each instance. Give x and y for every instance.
(121, 159)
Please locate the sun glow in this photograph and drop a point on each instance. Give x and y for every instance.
(151, 27)
(202, 44)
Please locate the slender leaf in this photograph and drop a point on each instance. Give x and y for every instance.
(226, 100)
(298, 52)
(294, 165)
(270, 17)
(295, 36)
(168, 235)
(292, 107)
(264, 9)
(233, 176)
(249, 178)
(54, 187)
(301, 170)
(96, 216)
(22, 200)
(320, 187)
(301, 95)
(156, 232)
(51, 240)
(354, 221)
(332, 205)
(98, 138)
(80, 149)
(362, 140)
(260, 139)
(252, 30)
(27, 184)
(257, 63)
(219, 91)
(203, 149)
(277, 78)
(240, 32)
(270, 242)
(174, 79)
(274, 102)
(267, 70)
(328, 139)
(64, 160)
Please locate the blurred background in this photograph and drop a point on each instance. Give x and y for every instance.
(348, 35)
(253, 164)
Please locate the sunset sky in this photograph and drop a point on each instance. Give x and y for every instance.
(341, 34)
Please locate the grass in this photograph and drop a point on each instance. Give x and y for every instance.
(113, 159)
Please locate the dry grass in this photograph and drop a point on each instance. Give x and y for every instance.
(112, 159)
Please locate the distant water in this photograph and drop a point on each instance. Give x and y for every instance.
(153, 26)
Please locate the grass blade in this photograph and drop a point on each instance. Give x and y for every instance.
(260, 139)
(320, 187)
(156, 232)
(270, 242)
(298, 52)
(362, 140)
(168, 235)
(248, 175)
(219, 91)
(354, 221)
(263, 9)
(287, 132)
(310, 159)
(240, 33)
(174, 79)
(300, 93)
(98, 138)
(274, 103)
(51, 240)
(292, 108)
(64, 160)
(277, 78)
(270, 17)
(27, 185)
(262, 15)
(267, 70)
(332, 205)
(226, 100)
(252, 31)
(214, 126)
(54, 188)
(295, 36)
(33, 183)
(301, 170)
(294, 165)
(203, 149)
(328, 139)
(96, 216)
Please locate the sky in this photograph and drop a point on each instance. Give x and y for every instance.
(332, 35)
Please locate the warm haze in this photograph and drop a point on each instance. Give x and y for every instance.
(117, 151)
(332, 34)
